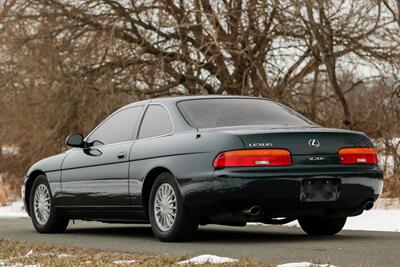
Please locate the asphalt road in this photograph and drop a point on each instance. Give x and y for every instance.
(274, 244)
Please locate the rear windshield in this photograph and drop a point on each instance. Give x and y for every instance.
(209, 113)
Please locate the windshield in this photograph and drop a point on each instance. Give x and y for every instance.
(223, 112)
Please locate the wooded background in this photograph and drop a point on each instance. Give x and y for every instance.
(65, 65)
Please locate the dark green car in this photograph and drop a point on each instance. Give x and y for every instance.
(180, 162)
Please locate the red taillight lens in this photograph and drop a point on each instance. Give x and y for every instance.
(355, 155)
(253, 158)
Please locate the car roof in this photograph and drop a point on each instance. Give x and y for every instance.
(172, 99)
(193, 97)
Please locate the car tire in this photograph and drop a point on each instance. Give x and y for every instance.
(41, 197)
(180, 227)
(322, 226)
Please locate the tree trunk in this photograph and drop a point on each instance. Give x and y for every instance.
(331, 70)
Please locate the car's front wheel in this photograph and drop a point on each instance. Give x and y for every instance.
(44, 216)
(322, 226)
(169, 218)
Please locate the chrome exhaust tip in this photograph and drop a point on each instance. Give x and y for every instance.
(368, 205)
(253, 211)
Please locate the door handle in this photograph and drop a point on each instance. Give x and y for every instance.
(121, 155)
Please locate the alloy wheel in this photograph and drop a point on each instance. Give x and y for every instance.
(42, 204)
(165, 207)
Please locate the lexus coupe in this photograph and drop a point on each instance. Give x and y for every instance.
(181, 162)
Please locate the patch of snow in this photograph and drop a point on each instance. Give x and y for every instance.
(29, 254)
(13, 210)
(46, 254)
(122, 262)
(375, 220)
(304, 264)
(207, 258)
(11, 150)
(63, 255)
(7, 264)
(22, 265)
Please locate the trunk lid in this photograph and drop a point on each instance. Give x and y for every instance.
(300, 141)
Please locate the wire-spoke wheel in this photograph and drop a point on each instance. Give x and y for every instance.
(41, 204)
(44, 216)
(169, 219)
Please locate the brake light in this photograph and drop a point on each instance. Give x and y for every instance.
(358, 155)
(253, 158)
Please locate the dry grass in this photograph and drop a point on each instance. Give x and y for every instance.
(15, 252)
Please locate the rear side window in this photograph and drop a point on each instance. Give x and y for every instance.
(118, 128)
(156, 122)
(208, 113)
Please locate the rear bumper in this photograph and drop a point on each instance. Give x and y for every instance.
(278, 193)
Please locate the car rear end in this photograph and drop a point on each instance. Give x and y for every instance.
(294, 173)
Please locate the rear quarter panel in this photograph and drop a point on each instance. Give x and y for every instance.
(187, 155)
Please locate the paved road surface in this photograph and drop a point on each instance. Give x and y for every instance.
(274, 244)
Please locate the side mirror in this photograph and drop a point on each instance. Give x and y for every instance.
(74, 140)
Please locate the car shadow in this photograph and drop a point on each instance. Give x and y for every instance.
(221, 234)
(113, 230)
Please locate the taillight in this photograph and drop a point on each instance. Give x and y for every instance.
(253, 158)
(358, 155)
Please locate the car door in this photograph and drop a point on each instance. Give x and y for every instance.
(98, 174)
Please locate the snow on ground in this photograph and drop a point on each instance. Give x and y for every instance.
(122, 262)
(12, 150)
(13, 210)
(375, 220)
(29, 254)
(207, 258)
(62, 255)
(6, 264)
(304, 264)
